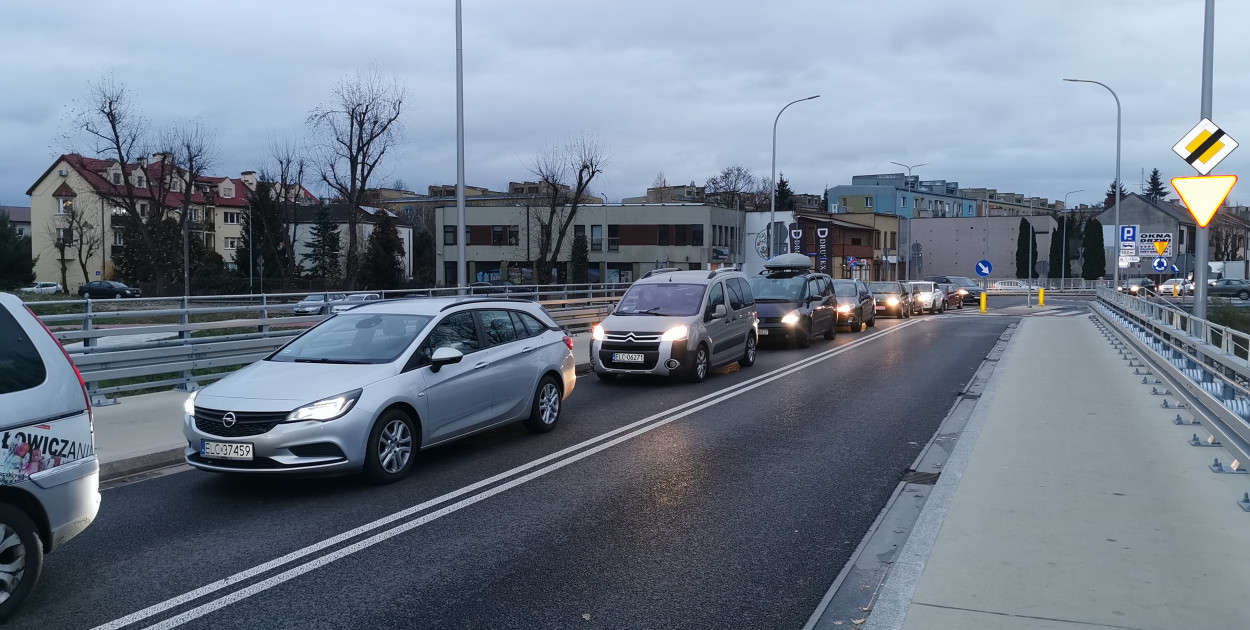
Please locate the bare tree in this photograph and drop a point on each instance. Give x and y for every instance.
(732, 186)
(358, 126)
(194, 153)
(1228, 238)
(290, 168)
(565, 173)
(660, 185)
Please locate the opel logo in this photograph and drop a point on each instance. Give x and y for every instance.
(228, 420)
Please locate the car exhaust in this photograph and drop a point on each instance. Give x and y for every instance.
(672, 364)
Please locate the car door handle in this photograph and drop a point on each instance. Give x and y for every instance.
(527, 349)
(481, 365)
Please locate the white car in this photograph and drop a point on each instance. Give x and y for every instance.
(1177, 286)
(930, 298)
(42, 287)
(354, 300)
(1013, 285)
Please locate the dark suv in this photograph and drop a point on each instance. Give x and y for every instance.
(793, 301)
(892, 298)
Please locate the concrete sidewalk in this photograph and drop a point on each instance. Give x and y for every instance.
(144, 432)
(1072, 501)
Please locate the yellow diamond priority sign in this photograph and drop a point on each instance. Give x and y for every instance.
(1204, 146)
(1204, 195)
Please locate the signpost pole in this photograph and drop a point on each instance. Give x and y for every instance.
(1202, 250)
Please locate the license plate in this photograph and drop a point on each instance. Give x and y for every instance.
(626, 357)
(763, 331)
(226, 450)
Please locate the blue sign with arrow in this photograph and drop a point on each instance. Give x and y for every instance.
(984, 268)
(1160, 264)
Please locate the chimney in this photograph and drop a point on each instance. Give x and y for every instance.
(249, 179)
(142, 161)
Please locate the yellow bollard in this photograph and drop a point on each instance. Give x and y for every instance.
(983, 301)
(1041, 297)
(1175, 288)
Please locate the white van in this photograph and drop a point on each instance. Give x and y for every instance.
(49, 474)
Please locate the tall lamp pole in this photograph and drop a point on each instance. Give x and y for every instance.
(1063, 273)
(461, 265)
(772, 213)
(913, 213)
(1116, 269)
(1202, 249)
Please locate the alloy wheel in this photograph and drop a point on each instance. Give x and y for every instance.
(12, 561)
(549, 403)
(394, 446)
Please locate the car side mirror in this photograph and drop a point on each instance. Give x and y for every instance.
(718, 312)
(444, 356)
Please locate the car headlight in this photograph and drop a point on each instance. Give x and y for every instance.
(189, 404)
(596, 333)
(790, 318)
(326, 408)
(675, 333)
(963, 292)
(892, 301)
(845, 308)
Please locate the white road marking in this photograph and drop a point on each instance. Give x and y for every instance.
(656, 421)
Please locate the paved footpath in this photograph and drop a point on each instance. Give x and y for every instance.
(1073, 502)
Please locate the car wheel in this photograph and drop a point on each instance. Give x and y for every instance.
(803, 335)
(873, 322)
(391, 446)
(545, 411)
(698, 369)
(833, 328)
(748, 355)
(21, 558)
(1244, 295)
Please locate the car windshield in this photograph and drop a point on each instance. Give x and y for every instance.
(884, 287)
(777, 289)
(923, 286)
(963, 282)
(661, 298)
(347, 338)
(844, 289)
(313, 298)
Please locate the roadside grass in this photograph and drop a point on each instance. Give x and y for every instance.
(1223, 312)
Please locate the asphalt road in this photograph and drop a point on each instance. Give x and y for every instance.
(729, 504)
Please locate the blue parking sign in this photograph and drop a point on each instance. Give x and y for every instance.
(1128, 233)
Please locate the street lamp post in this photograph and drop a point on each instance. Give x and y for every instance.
(913, 214)
(461, 264)
(1115, 248)
(772, 213)
(1063, 273)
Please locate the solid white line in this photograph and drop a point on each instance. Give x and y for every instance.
(670, 415)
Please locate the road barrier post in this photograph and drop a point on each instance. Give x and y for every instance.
(1041, 297)
(982, 301)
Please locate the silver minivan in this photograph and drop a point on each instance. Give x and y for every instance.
(678, 323)
(49, 474)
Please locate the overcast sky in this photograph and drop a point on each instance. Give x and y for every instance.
(687, 87)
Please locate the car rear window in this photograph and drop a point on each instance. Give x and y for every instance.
(21, 367)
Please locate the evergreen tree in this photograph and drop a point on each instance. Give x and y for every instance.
(1026, 244)
(322, 258)
(1095, 265)
(383, 266)
(1056, 252)
(824, 202)
(1109, 201)
(785, 196)
(17, 265)
(1156, 190)
(579, 260)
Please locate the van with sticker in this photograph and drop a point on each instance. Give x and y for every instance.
(49, 474)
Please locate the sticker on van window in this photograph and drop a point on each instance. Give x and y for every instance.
(28, 450)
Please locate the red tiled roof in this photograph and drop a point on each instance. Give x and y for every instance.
(64, 191)
(94, 171)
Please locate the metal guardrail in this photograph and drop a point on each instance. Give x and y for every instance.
(1209, 362)
(107, 344)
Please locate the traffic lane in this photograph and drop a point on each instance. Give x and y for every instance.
(738, 516)
(196, 527)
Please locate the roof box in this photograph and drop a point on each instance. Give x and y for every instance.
(789, 261)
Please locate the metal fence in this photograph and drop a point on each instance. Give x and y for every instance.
(1210, 362)
(118, 345)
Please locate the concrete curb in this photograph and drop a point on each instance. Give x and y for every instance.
(127, 466)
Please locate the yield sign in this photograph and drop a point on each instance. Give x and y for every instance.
(1162, 246)
(1204, 195)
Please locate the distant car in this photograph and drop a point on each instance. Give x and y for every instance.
(1013, 285)
(489, 288)
(856, 308)
(101, 289)
(1136, 286)
(317, 303)
(793, 301)
(891, 298)
(972, 289)
(49, 474)
(42, 287)
(1178, 286)
(953, 294)
(1230, 287)
(929, 297)
(352, 301)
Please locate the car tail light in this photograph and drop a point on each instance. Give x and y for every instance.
(81, 383)
(568, 341)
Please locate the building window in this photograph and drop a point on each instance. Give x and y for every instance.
(117, 179)
(195, 215)
(614, 238)
(697, 238)
(579, 230)
(680, 232)
(231, 242)
(468, 239)
(209, 241)
(733, 239)
(143, 210)
(64, 206)
(596, 238)
(118, 239)
(142, 182)
(230, 218)
(663, 236)
(449, 235)
(496, 235)
(867, 202)
(64, 237)
(844, 202)
(855, 240)
(227, 192)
